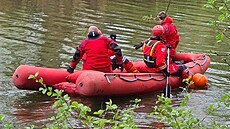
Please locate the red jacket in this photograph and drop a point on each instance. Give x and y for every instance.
(171, 36)
(155, 53)
(96, 54)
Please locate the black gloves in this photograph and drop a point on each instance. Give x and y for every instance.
(120, 66)
(139, 45)
(165, 71)
(113, 36)
(115, 65)
(70, 70)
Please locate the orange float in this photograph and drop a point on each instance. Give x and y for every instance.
(200, 80)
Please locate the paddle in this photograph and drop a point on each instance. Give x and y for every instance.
(169, 2)
(167, 90)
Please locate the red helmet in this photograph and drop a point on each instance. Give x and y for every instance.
(158, 30)
(94, 28)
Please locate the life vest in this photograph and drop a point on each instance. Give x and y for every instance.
(149, 54)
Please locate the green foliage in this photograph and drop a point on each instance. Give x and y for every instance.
(120, 118)
(68, 110)
(9, 125)
(148, 18)
(188, 81)
(225, 100)
(177, 118)
(182, 118)
(223, 103)
(221, 23)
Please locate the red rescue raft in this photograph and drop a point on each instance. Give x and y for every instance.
(95, 83)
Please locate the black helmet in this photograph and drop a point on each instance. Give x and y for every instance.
(162, 15)
(93, 34)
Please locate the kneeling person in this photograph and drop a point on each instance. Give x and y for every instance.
(95, 49)
(155, 55)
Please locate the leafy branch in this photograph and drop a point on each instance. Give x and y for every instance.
(71, 110)
(182, 117)
(222, 22)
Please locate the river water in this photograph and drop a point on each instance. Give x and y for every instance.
(42, 33)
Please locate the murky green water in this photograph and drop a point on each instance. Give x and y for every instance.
(41, 33)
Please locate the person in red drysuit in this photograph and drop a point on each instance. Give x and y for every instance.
(170, 36)
(155, 55)
(95, 49)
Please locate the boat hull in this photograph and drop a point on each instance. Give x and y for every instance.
(50, 76)
(120, 84)
(94, 83)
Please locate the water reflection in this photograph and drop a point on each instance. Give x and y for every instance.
(33, 109)
(41, 33)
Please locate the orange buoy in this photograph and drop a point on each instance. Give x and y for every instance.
(200, 81)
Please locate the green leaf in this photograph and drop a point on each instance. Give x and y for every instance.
(99, 112)
(211, 109)
(75, 104)
(57, 103)
(212, 23)
(137, 100)
(219, 37)
(49, 93)
(50, 88)
(214, 3)
(208, 6)
(31, 77)
(221, 17)
(1, 117)
(114, 106)
(41, 80)
(44, 91)
(36, 74)
(41, 89)
(222, 8)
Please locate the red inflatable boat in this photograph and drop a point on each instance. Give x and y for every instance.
(94, 83)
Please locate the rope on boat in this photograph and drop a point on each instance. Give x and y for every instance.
(141, 79)
(136, 78)
(197, 63)
(200, 64)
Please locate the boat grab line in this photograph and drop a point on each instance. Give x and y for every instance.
(136, 78)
